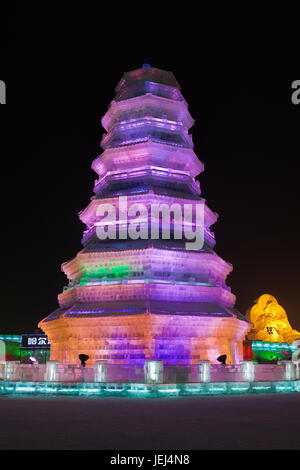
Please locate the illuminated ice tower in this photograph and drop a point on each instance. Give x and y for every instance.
(134, 299)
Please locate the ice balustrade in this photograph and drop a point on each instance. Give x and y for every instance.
(157, 276)
(157, 89)
(150, 259)
(148, 106)
(15, 371)
(138, 290)
(146, 172)
(150, 372)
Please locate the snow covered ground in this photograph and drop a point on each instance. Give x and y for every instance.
(241, 422)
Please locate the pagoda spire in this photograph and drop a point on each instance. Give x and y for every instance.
(146, 63)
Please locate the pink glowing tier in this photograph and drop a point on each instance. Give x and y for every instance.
(128, 300)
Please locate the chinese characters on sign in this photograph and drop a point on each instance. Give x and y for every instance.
(35, 341)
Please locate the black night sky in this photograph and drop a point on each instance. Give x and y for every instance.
(235, 72)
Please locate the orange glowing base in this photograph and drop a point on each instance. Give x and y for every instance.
(174, 339)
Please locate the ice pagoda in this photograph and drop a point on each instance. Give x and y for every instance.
(128, 299)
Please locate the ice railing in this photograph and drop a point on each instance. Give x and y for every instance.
(150, 372)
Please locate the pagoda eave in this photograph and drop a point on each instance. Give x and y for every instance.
(117, 108)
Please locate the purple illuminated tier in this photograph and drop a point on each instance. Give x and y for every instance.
(128, 300)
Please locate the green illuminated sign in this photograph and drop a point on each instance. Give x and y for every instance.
(108, 273)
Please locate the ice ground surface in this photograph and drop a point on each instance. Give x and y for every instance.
(270, 421)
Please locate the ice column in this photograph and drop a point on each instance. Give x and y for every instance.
(204, 371)
(297, 369)
(51, 374)
(100, 371)
(153, 372)
(11, 370)
(289, 371)
(247, 369)
(2, 351)
(2, 370)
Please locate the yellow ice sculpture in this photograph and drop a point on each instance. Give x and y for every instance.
(270, 322)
